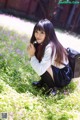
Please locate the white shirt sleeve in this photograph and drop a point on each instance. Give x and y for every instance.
(41, 67)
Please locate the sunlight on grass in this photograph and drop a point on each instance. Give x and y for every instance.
(13, 23)
(17, 95)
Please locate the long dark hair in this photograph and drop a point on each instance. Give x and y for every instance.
(47, 26)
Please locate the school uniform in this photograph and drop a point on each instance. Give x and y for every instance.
(42, 67)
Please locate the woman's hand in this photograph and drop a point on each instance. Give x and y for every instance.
(31, 50)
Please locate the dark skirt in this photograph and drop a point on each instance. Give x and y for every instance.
(62, 77)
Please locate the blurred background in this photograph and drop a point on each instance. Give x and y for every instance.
(65, 14)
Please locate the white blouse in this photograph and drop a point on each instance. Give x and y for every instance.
(41, 67)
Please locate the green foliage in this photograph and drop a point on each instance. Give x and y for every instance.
(18, 97)
(1, 88)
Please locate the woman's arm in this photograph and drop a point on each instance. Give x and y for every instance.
(41, 67)
(31, 50)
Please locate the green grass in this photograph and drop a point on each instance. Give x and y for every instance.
(17, 95)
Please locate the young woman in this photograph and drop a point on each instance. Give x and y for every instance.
(49, 58)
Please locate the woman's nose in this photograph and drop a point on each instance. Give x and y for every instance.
(38, 36)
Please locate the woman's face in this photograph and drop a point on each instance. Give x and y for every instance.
(40, 36)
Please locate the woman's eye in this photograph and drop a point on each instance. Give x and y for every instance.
(36, 31)
(42, 32)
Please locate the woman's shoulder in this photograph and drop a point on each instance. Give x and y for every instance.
(49, 45)
(48, 49)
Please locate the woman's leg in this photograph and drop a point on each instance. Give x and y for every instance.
(47, 82)
(49, 70)
(47, 79)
